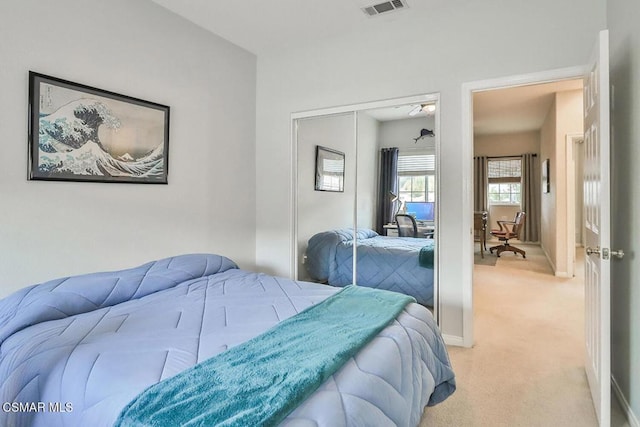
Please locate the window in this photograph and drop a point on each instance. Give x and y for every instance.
(416, 177)
(504, 181)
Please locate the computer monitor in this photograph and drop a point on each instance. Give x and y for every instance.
(422, 211)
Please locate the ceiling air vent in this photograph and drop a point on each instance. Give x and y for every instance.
(388, 6)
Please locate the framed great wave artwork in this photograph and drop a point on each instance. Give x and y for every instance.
(81, 133)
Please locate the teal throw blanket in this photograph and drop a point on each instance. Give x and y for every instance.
(259, 382)
(425, 258)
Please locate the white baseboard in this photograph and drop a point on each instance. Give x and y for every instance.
(631, 417)
(453, 340)
(546, 254)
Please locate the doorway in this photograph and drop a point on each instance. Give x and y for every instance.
(597, 210)
(468, 91)
(522, 163)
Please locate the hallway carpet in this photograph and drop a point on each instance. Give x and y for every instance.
(527, 365)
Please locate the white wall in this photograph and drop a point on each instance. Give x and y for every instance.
(548, 201)
(578, 158)
(458, 42)
(401, 134)
(625, 199)
(51, 229)
(506, 144)
(570, 121)
(564, 117)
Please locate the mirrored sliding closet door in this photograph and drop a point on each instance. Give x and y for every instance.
(326, 185)
(380, 230)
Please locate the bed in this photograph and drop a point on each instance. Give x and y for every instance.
(400, 264)
(77, 351)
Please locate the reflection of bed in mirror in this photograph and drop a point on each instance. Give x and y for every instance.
(400, 264)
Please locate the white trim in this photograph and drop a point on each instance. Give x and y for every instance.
(549, 260)
(570, 179)
(632, 419)
(293, 201)
(453, 340)
(415, 99)
(468, 89)
(570, 204)
(550, 76)
(354, 256)
(436, 222)
(467, 213)
(563, 275)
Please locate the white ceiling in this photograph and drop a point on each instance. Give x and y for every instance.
(400, 112)
(269, 26)
(510, 110)
(517, 109)
(265, 26)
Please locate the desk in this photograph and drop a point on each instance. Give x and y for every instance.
(427, 231)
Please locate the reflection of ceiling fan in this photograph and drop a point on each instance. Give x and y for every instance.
(427, 108)
(423, 134)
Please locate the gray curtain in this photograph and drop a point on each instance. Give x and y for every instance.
(388, 185)
(531, 198)
(480, 183)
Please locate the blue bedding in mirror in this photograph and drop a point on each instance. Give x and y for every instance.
(390, 263)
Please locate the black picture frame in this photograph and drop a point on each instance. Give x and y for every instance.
(330, 166)
(82, 133)
(546, 182)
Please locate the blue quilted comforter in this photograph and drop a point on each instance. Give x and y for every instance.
(75, 351)
(390, 263)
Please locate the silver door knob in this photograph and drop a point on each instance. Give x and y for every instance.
(618, 254)
(593, 251)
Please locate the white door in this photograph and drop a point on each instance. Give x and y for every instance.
(597, 223)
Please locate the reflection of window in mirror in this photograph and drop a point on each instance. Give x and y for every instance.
(417, 184)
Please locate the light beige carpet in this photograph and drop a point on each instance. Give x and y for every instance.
(487, 259)
(527, 365)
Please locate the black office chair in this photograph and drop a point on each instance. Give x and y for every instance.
(407, 226)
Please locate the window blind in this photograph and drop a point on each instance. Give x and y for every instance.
(504, 170)
(333, 166)
(416, 163)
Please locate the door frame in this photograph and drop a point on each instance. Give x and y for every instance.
(468, 90)
(571, 139)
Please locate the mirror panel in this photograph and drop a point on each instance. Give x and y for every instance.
(332, 206)
(397, 175)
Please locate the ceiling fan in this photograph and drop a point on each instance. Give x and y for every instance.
(427, 108)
